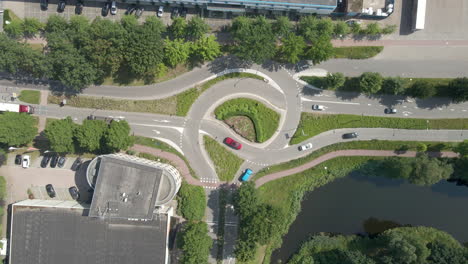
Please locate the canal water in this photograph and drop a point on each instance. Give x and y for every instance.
(365, 204)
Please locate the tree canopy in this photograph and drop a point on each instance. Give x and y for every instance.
(90, 135)
(60, 135)
(370, 82)
(17, 129)
(191, 202)
(196, 28)
(117, 137)
(195, 243)
(422, 89)
(459, 89)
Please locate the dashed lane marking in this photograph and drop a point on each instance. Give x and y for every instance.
(332, 102)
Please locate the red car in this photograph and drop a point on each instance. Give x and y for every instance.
(232, 143)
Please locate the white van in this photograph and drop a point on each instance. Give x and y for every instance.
(318, 107)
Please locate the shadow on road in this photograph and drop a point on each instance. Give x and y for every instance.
(227, 62)
(86, 192)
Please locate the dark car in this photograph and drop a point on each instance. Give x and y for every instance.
(183, 12)
(18, 159)
(174, 12)
(76, 164)
(79, 8)
(75, 194)
(61, 6)
(61, 161)
(50, 190)
(105, 9)
(232, 143)
(54, 161)
(130, 9)
(45, 161)
(139, 11)
(44, 5)
(350, 135)
(390, 111)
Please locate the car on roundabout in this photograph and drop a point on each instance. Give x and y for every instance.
(350, 135)
(305, 147)
(232, 143)
(246, 175)
(318, 107)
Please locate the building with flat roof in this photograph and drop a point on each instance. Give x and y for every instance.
(130, 187)
(58, 232)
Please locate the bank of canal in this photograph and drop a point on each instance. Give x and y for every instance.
(366, 204)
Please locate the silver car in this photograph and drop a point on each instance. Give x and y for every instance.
(113, 9)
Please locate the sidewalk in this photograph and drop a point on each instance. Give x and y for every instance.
(42, 119)
(389, 42)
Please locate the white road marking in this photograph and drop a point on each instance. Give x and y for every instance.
(204, 133)
(180, 129)
(156, 131)
(452, 109)
(164, 121)
(332, 102)
(170, 143)
(369, 104)
(464, 110)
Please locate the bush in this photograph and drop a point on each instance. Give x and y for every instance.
(334, 80)
(458, 89)
(421, 147)
(394, 85)
(265, 119)
(373, 29)
(422, 89)
(370, 82)
(14, 29)
(191, 202)
(389, 29)
(31, 26)
(195, 243)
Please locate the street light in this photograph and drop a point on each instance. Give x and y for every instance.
(427, 124)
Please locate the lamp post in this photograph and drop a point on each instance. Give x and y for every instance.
(427, 124)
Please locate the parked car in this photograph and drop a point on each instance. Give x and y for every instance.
(139, 11)
(26, 161)
(130, 9)
(305, 147)
(50, 190)
(246, 175)
(160, 11)
(105, 9)
(45, 161)
(54, 161)
(44, 5)
(18, 159)
(76, 164)
(79, 7)
(183, 12)
(350, 135)
(75, 194)
(174, 12)
(232, 143)
(61, 161)
(113, 9)
(61, 6)
(390, 111)
(318, 107)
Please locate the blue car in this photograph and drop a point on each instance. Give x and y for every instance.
(246, 175)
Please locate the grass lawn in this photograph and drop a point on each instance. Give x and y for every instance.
(370, 144)
(175, 105)
(243, 126)
(314, 124)
(154, 158)
(265, 119)
(36, 46)
(358, 53)
(30, 96)
(226, 163)
(154, 143)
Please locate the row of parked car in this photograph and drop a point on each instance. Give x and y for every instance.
(74, 193)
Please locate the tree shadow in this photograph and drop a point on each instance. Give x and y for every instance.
(227, 62)
(435, 102)
(212, 203)
(86, 192)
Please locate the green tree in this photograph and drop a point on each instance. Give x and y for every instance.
(421, 147)
(458, 89)
(245, 250)
(196, 28)
(321, 50)
(341, 29)
(398, 250)
(176, 52)
(394, 85)
(462, 148)
(428, 171)
(191, 202)
(246, 199)
(261, 224)
(395, 167)
(282, 26)
(78, 32)
(334, 80)
(422, 89)
(373, 29)
(129, 22)
(341, 256)
(31, 26)
(313, 29)
(56, 23)
(254, 39)
(356, 28)
(195, 243)
(178, 28)
(118, 136)
(17, 128)
(205, 49)
(389, 29)
(60, 134)
(442, 253)
(14, 29)
(461, 169)
(292, 48)
(89, 136)
(370, 82)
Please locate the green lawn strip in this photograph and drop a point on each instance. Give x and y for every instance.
(226, 163)
(36, 46)
(265, 119)
(154, 158)
(30, 96)
(157, 144)
(312, 124)
(358, 53)
(187, 98)
(370, 144)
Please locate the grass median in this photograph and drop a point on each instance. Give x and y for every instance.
(312, 124)
(226, 163)
(357, 53)
(30, 96)
(178, 104)
(265, 120)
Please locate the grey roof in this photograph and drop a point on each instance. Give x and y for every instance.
(126, 189)
(43, 235)
(305, 2)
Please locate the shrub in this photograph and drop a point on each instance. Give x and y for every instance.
(389, 29)
(458, 89)
(31, 26)
(334, 80)
(370, 82)
(422, 89)
(394, 85)
(191, 202)
(373, 29)
(421, 147)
